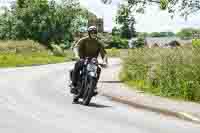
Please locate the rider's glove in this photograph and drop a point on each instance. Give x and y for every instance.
(105, 60)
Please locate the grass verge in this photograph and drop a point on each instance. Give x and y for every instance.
(113, 52)
(19, 60)
(173, 73)
(28, 53)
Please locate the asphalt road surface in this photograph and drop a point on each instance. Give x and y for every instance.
(37, 100)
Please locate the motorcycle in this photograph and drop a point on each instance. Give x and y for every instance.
(87, 82)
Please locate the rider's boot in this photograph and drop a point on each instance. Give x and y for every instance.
(74, 89)
(75, 100)
(95, 92)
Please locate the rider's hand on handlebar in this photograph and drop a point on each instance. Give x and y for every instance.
(105, 61)
(104, 64)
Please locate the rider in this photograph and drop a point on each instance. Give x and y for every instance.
(88, 46)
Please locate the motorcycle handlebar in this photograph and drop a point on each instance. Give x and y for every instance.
(103, 65)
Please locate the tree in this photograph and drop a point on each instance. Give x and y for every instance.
(161, 34)
(140, 42)
(184, 7)
(188, 32)
(106, 1)
(171, 34)
(126, 21)
(21, 3)
(125, 31)
(142, 34)
(42, 20)
(155, 34)
(115, 31)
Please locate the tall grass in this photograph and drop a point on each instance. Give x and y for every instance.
(18, 60)
(27, 53)
(167, 72)
(16, 47)
(113, 52)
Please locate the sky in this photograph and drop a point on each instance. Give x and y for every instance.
(153, 20)
(107, 12)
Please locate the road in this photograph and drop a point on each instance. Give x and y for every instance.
(37, 100)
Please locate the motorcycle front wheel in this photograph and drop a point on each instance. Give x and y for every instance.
(89, 91)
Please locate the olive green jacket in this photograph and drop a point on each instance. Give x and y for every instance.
(88, 47)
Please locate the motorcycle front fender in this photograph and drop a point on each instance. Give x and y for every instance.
(92, 74)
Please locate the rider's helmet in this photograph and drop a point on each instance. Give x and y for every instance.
(92, 29)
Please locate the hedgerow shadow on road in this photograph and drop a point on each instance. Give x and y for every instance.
(110, 81)
(96, 105)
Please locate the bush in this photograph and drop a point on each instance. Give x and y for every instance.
(118, 42)
(106, 38)
(166, 72)
(139, 43)
(57, 50)
(113, 52)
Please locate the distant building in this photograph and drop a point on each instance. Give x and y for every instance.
(196, 35)
(94, 21)
(166, 42)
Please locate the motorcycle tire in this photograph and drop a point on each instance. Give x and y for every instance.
(89, 93)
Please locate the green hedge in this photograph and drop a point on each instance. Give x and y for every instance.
(118, 43)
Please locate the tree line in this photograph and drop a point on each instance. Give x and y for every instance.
(43, 21)
(183, 33)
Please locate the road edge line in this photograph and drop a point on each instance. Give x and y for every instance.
(181, 115)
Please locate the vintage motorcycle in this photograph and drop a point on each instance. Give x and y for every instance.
(87, 82)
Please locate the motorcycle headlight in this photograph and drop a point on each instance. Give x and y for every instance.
(92, 68)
